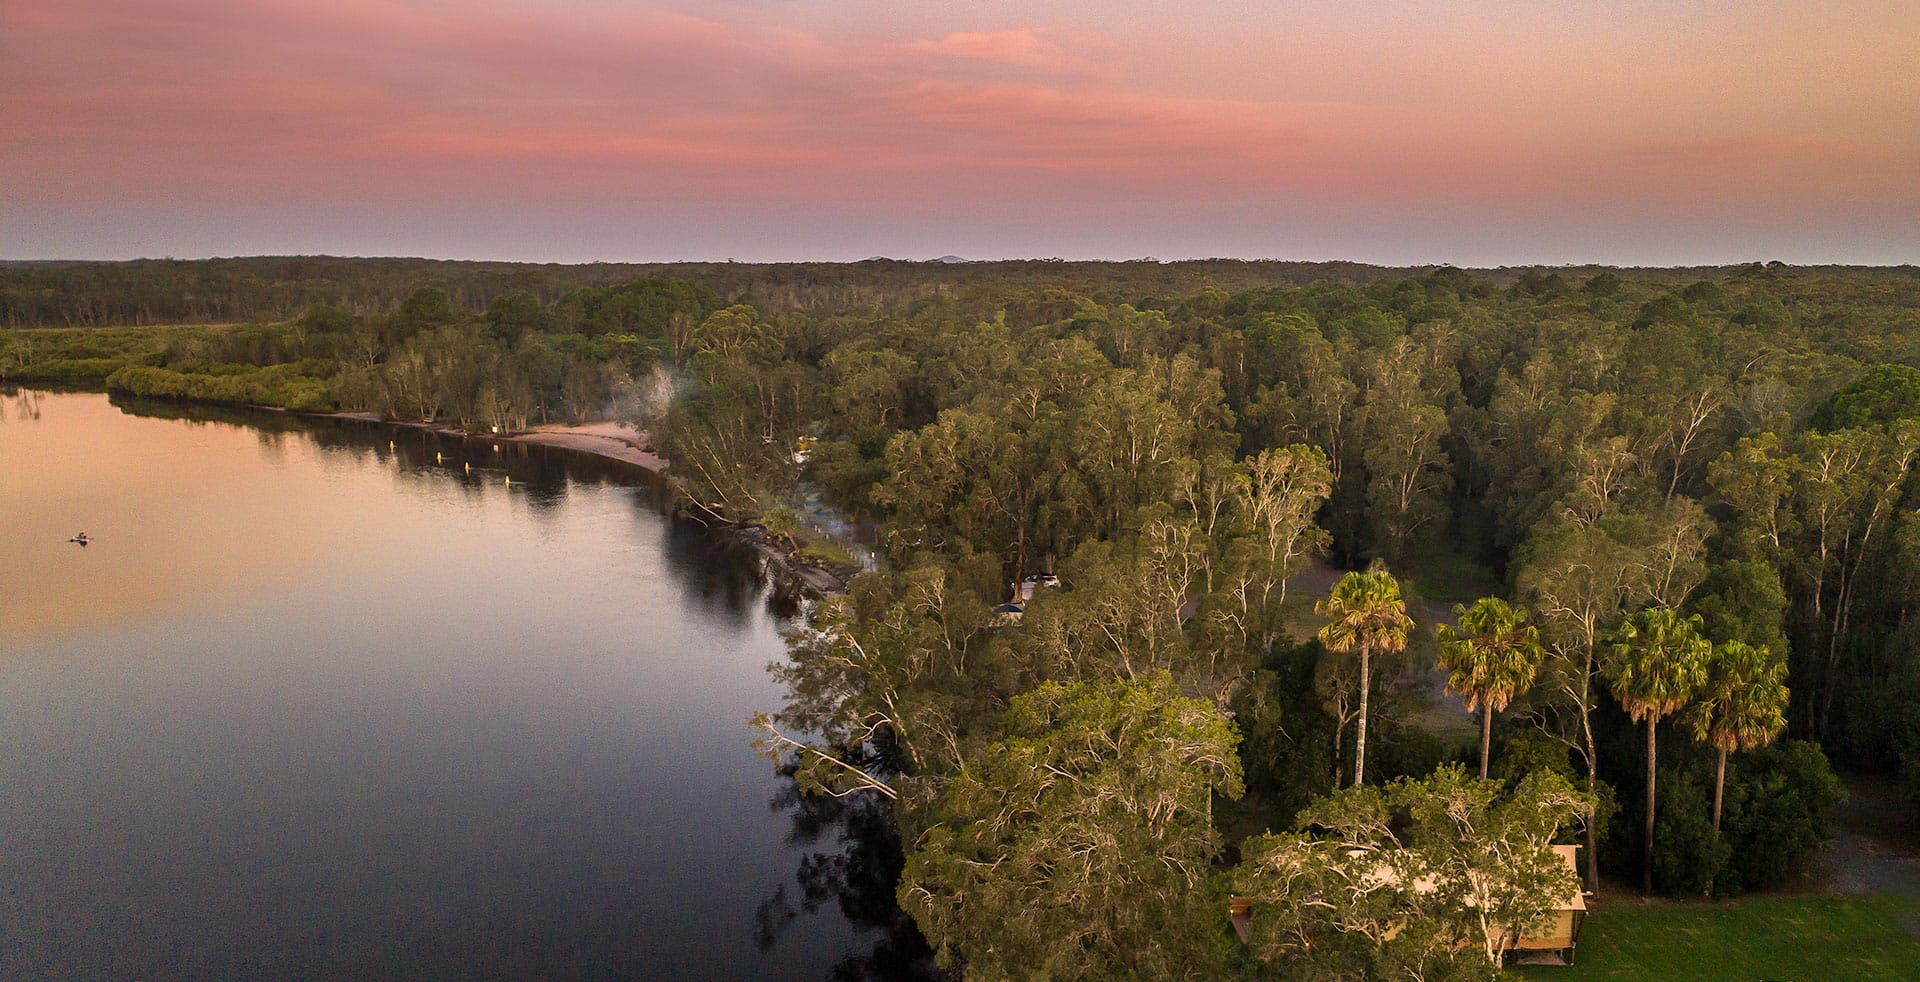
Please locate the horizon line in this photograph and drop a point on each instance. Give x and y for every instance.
(954, 260)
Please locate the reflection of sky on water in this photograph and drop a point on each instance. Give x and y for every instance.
(318, 704)
(159, 513)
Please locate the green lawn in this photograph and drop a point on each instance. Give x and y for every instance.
(1450, 578)
(830, 552)
(1776, 938)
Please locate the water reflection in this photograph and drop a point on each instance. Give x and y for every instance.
(855, 866)
(716, 574)
(26, 404)
(719, 578)
(541, 475)
(256, 421)
(347, 699)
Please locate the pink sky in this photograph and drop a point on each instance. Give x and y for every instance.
(1473, 131)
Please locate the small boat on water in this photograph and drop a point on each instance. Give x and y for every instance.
(80, 537)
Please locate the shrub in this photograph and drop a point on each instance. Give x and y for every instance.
(1687, 855)
(1775, 814)
(1773, 822)
(64, 369)
(286, 386)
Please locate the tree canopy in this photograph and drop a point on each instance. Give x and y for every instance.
(1100, 475)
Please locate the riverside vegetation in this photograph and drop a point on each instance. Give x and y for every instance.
(1673, 513)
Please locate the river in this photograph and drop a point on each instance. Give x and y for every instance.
(346, 701)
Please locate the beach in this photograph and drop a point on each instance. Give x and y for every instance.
(615, 441)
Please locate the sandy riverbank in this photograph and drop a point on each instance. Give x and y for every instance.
(611, 440)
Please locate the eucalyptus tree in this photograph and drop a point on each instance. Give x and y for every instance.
(1128, 444)
(1818, 507)
(1368, 618)
(1688, 428)
(1131, 334)
(868, 382)
(1333, 683)
(1863, 504)
(1659, 660)
(1421, 879)
(1492, 655)
(937, 486)
(1080, 845)
(1672, 537)
(1120, 613)
(890, 670)
(1302, 390)
(1407, 467)
(1578, 578)
(1275, 498)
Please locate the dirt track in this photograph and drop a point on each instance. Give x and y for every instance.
(1876, 841)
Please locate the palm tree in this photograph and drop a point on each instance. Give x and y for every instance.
(1368, 618)
(1742, 705)
(1492, 656)
(1658, 661)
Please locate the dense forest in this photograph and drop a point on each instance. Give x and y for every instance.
(1172, 552)
(169, 291)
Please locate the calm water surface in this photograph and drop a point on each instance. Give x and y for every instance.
(316, 705)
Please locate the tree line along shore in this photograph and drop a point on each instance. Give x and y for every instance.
(1672, 513)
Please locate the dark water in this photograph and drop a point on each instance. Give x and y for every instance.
(313, 705)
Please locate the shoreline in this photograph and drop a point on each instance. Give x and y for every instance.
(613, 441)
(605, 439)
(617, 442)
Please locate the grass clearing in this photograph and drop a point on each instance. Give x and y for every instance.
(1302, 623)
(1776, 938)
(1450, 578)
(828, 552)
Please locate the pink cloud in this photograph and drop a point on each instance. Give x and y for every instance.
(352, 85)
(492, 101)
(1027, 47)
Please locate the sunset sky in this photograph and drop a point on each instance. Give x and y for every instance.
(1477, 132)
